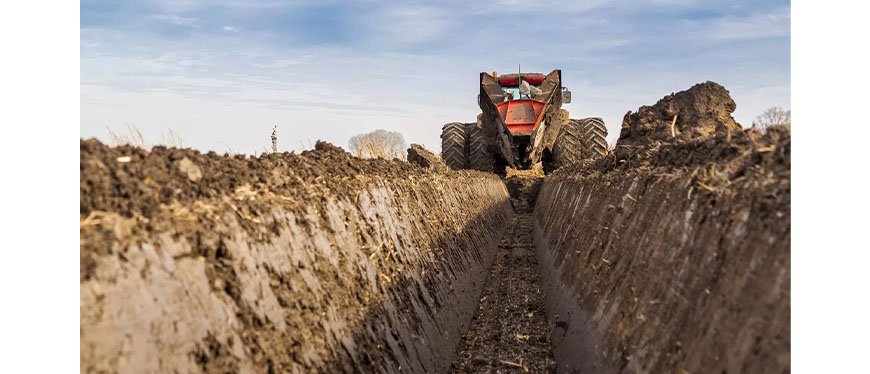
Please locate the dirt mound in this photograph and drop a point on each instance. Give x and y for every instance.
(523, 186)
(704, 134)
(135, 181)
(716, 161)
(422, 157)
(702, 111)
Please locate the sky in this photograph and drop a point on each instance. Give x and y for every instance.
(222, 73)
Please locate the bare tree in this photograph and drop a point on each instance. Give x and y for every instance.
(378, 144)
(772, 117)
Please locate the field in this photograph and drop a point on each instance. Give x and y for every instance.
(669, 254)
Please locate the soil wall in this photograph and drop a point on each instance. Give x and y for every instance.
(675, 258)
(288, 263)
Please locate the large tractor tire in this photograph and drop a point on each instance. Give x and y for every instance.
(479, 155)
(453, 145)
(578, 140)
(594, 137)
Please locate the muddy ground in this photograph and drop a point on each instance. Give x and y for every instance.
(670, 254)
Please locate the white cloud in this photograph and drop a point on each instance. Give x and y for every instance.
(177, 20)
(193, 5)
(90, 43)
(283, 62)
(674, 2)
(760, 25)
(605, 44)
(544, 5)
(408, 24)
(230, 29)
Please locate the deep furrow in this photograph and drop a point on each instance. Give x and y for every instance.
(510, 331)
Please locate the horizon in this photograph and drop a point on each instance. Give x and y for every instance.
(222, 74)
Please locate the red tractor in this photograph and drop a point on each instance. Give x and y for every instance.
(522, 123)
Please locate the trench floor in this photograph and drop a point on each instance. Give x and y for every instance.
(510, 332)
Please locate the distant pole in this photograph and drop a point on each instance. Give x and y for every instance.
(275, 139)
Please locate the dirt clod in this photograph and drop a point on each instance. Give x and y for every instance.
(193, 172)
(422, 157)
(523, 186)
(702, 111)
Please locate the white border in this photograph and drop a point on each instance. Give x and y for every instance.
(40, 72)
(39, 110)
(830, 260)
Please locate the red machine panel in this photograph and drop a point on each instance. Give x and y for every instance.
(510, 80)
(520, 116)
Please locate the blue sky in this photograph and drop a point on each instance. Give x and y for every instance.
(221, 73)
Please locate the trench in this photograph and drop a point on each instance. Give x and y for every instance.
(510, 331)
(386, 268)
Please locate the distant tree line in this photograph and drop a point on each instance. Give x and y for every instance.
(378, 144)
(775, 116)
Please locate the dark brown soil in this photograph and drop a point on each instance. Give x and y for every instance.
(523, 186)
(422, 157)
(150, 178)
(318, 262)
(702, 111)
(672, 255)
(510, 331)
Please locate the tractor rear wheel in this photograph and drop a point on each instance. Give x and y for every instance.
(453, 145)
(479, 155)
(594, 137)
(578, 140)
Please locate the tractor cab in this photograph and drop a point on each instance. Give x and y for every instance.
(518, 86)
(511, 93)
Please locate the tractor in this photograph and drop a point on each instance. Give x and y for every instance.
(521, 124)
